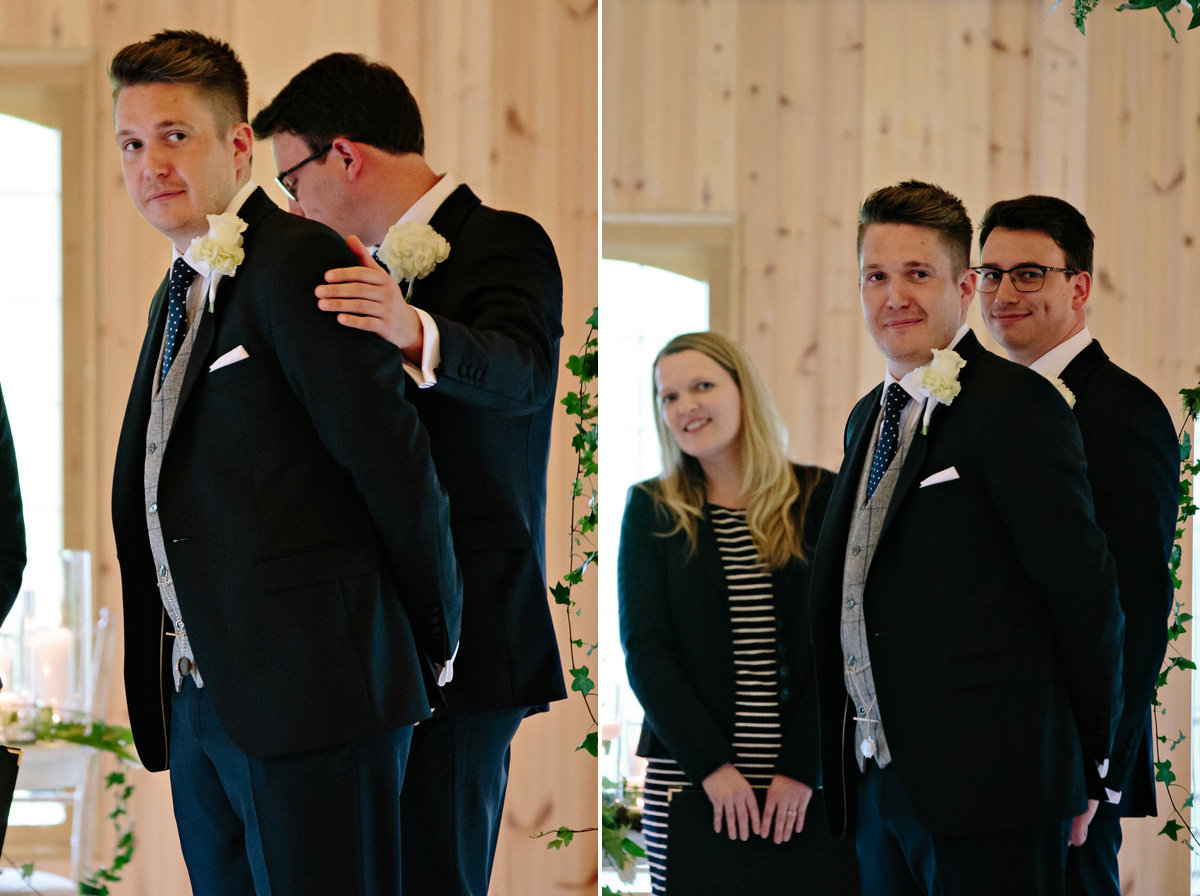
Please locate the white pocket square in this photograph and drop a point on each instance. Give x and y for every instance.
(947, 475)
(230, 357)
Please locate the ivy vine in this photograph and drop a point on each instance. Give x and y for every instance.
(582, 407)
(1084, 8)
(1177, 823)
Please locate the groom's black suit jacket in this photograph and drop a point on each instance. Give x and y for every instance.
(497, 303)
(307, 535)
(1133, 467)
(991, 612)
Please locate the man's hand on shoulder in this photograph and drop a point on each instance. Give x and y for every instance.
(367, 298)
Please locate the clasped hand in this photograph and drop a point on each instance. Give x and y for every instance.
(735, 805)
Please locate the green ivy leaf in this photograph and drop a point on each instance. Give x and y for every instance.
(561, 593)
(589, 743)
(582, 682)
(1164, 772)
(1172, 829)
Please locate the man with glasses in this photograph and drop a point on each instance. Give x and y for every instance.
(479, 336)
(1035, 280)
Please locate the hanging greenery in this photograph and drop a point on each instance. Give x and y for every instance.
(1084, 8)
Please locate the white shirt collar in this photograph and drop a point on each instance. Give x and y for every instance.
(235, 206)
(1054, 362)
(906, 381)
(423, 209)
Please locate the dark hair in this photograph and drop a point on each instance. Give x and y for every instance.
(187, 57)
(1056, 218)
(925, 205)
(345, 95)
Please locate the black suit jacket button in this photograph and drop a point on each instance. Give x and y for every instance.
(784, 671)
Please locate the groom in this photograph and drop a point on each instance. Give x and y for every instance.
(284, 545)
(480, 341)
(966, 628)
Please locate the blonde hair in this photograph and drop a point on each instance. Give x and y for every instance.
(776, 503)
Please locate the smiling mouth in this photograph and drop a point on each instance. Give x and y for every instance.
(694, 425)
(901, 323)
(1009, 317)
(166, 194)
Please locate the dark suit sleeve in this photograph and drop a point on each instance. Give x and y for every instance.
(500, 353)
(1036, 476)
(1133, 465)
(800, 750)
(351, 384)
(12, 520)
(649, 636)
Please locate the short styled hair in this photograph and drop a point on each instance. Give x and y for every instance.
(345, 95)
(1056, 218)
(187, 57)
(924, 205)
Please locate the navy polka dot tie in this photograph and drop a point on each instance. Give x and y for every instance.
(182, 276)
(889, 439)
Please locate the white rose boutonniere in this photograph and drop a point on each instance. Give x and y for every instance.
(1066, 393)
(219, 252)
(411, 251)
(938, 381)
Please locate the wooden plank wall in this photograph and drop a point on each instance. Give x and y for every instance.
(788, 112)
(509, 94)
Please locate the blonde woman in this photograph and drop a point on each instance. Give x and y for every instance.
(713, 584)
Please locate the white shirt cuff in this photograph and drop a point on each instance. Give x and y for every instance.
(1102, 769)
(431, 353)
(1114, 796)
(445, 674)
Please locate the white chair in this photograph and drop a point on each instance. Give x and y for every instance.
(70, 774)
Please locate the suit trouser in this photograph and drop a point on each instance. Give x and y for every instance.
(289, 826)
(1092, 868)
(452, 801)
(899, 856)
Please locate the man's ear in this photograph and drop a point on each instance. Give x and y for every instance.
(243, 145)
(349, 156)
(1083, 290)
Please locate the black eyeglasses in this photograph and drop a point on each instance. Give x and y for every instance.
(1025, 277)
(290, 188)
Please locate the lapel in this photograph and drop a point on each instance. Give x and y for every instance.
(968, 348)
(253, 210)
(448, 221)
(836, 528)
(143, 378)
(709, 555)
(1076, 374)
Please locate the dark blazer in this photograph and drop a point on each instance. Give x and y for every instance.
(991, 610)
(674, 617)
(497, 302)
(1133, 467)
(12, 520)
(307, 535)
